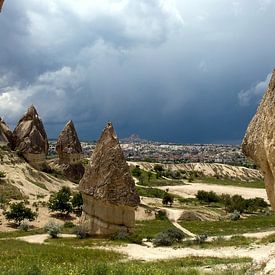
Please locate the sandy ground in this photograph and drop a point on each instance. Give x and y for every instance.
(190, 190)
(43, 217)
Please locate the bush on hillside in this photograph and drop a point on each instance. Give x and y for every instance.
(168, 199)
(19, 212)
(207, 196)
(53, 229)
(60, 201)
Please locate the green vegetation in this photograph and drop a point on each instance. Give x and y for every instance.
(168, 199)
(150, 192)
(225, 181)
(19, 212)
(9, 192)
(233, 203)
(212, 228)
(168, 237)
(22, 258)
(53, 229)
(151, 178)
(77, 202)
(268, 239)
(149, 229)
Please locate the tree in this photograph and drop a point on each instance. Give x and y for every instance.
(19, 212)
(168, 199)
(136, 172)
(77, 202)
(60, 201)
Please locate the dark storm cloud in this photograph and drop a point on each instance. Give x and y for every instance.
(169, 70)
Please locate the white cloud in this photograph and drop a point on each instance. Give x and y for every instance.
(255, 93)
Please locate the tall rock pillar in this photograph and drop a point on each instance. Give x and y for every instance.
(108, 190)
(31, 139)
(69, 151)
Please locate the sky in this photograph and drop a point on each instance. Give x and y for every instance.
(168, 70)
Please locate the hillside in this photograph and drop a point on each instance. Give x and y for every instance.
(208, 170)
(23, 180)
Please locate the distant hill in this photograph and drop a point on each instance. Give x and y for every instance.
(209, 170)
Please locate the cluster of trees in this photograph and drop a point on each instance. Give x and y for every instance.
(232, 203)
(63, 202)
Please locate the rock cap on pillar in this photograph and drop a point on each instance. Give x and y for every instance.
(108, 177)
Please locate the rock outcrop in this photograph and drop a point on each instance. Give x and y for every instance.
(108, 189)
(259, 140)
(5, 133)
(30, 139)
(69, 151)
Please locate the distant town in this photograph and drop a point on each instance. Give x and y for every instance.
(137, 149)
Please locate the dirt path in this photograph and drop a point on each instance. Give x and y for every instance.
(41, 238)
(190, 190)
(144, 253)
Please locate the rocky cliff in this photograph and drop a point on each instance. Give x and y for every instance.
(259, 140)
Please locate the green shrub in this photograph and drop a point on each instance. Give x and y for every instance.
(136, 172)
(168, 237)
(68, 225)
(207, 196)
(77, 203)
(24, 226)
(176, 234)
(81, 232)
(163, 239)
(168, 199)
(161, 215)
(53, 229)
(60, 201)
(235, 215)
(19, 212)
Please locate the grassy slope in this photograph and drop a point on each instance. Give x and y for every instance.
(212, 180)
(21, 258)
(218, 228)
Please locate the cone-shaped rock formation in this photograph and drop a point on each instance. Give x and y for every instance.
(5, 133)
(108, 189)
(259, 140)
(30, 138)
(69, 151)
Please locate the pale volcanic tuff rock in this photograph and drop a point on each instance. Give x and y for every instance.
(259, 140)
(108, 190)
(68, 141)
(5, 132)
(30, 138)
(69, 151)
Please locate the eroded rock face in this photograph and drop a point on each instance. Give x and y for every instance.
(69, 152)
(30, 138)
(259, 140)
(108, 189)
(5, 132)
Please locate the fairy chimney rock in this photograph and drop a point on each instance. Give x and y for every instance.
(259, 141)
(30, 138)
(108, 189)
(5, 133)
(68, 145)
(69, 150)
